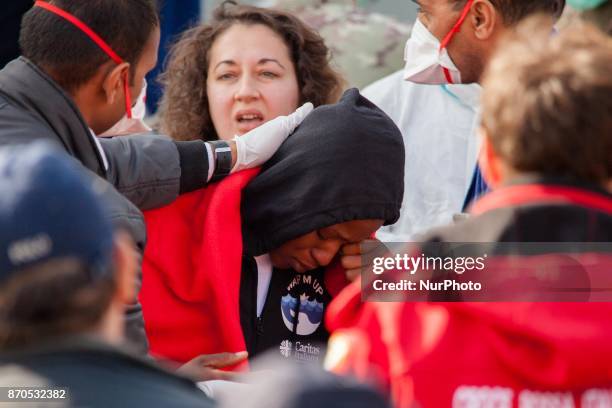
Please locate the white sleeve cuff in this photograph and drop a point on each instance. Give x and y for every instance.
(211, 161)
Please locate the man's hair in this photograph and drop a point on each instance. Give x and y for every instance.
(53, 299)
(68, 54)
(184, 113)
(547, 101)
(513, 11)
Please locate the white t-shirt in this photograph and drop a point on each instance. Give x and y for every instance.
(264, 275)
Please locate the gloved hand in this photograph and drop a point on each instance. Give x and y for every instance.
(255, 147)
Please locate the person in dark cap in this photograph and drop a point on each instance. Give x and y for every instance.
(334, 182)
(65, 277)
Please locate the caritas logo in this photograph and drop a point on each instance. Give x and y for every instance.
(286, 347)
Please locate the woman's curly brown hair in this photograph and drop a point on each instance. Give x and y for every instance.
(184, 113)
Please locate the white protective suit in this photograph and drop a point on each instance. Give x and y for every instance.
(438, 123)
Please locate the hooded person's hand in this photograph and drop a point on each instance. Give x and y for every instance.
(357, 257)
(207, 367)
(254, 148)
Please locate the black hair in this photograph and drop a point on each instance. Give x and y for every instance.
(513, 11)
(68, 54)
(52, 299)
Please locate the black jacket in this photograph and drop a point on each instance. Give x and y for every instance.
(143, 171)
(95, 374)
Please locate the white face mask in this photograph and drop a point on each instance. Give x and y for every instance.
(136, 124)
(426, 63)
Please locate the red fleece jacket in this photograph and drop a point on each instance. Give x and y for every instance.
(476, 354)
(481, 354)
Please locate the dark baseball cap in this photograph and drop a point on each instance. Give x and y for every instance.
(49, 210)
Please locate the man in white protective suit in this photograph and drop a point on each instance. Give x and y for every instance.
(435, 103)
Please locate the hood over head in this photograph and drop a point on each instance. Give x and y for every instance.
(345, 162)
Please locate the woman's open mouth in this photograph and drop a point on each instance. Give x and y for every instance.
(248, 120)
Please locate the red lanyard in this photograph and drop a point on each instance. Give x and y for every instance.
(99, 42)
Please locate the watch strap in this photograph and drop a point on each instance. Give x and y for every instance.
(222, 153)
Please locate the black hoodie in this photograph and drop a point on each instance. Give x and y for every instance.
(345, 162)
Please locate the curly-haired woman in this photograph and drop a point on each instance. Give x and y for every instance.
(245, 67)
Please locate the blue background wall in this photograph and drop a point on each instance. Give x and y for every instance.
(176, 16)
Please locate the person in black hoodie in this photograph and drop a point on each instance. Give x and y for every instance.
(335, 181)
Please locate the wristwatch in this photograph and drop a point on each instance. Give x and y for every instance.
(222, 153)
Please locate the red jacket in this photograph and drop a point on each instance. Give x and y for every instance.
(485, 354)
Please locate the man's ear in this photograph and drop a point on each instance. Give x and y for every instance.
(488, 161)
(484, 19)
(113, 82)
(126, 267)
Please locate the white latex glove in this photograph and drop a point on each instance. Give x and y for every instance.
(254, 148)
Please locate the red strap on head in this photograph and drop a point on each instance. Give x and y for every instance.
(128, 94)
(457, 26)
(96, 39)
(451, 33)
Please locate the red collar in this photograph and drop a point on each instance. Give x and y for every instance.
(541, 193)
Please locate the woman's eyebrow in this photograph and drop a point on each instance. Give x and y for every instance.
(266, 60)
(228, 62)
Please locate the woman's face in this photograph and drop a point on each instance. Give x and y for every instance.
(251, 79)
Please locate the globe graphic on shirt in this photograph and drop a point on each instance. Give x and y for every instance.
(310, 314)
